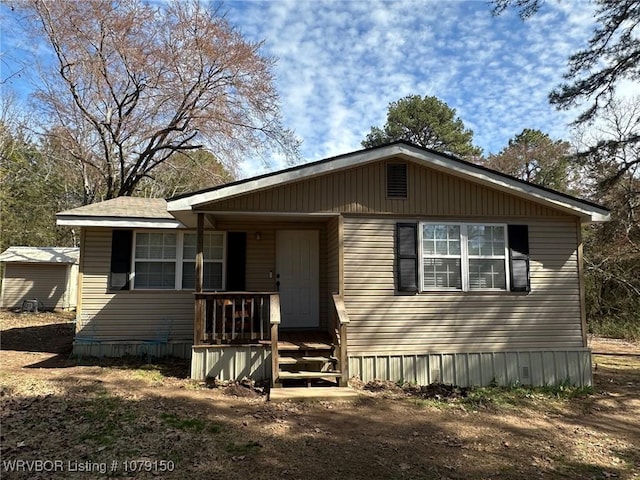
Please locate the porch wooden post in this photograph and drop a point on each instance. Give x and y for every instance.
(199, 253)
(341, 323)
(274, 320)
(344, 357)
(198, 328)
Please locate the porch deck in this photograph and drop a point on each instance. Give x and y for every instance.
(231, 325)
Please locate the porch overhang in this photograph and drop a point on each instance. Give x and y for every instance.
(188, 218)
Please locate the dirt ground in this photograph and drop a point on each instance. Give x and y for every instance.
(113, 419)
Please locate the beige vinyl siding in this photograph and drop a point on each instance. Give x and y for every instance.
(363, 190)
(333, 262)
(136, 314)
(49, 283)
(333, 255)
(383, 320)
(127, 315)
(261, 254)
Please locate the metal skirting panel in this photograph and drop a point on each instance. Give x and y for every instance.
(537, 368)
(111, 349)
(231, 362)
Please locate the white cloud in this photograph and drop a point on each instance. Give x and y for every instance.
(340, 63)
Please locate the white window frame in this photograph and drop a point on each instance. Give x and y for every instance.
(222, 260)
(179, 261)
(135, 259)
(421, 256)
(464, 257)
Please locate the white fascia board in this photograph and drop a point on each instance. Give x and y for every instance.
(188, 203)
(76, 221)
(235, 213)
(513, 186)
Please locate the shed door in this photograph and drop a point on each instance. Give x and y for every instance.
(297, 271)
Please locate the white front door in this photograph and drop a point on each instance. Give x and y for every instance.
(297, 271)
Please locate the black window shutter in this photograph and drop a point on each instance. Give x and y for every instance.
(236, 261)
(407, 256)
(519, 258)
(121, 245)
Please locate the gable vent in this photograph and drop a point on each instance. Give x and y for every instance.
(397, 180)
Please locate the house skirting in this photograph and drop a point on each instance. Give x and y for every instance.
(538, 368)
(131, 348)
(231, 362)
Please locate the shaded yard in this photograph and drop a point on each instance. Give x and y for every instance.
(98, 416)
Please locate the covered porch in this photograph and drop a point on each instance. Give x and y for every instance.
(282, 286)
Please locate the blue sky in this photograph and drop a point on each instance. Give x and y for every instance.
(340, 63)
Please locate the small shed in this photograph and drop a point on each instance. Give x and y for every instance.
(46, 277)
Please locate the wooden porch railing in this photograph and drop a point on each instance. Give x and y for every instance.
(339, 323)
(234, 317)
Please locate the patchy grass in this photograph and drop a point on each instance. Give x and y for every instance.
(106, 419)
(623, 329)
(522, 396)
(196, 425)
(150, 373)
(498, 399)
(242, 448)
(106, 411)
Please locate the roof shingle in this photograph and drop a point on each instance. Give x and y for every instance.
(124, 207)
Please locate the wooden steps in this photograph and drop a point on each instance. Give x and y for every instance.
(286, 346)
(306, 357)
(284, 375)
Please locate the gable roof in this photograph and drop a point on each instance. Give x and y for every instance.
(401, 149)
(41, 255)
(121, 212)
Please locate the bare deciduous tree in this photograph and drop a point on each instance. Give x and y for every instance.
(612, 249)
(185, 172)
(534, 157)
(134, 83)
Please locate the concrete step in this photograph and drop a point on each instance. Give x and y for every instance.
(325, 394)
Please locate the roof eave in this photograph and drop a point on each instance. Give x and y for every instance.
(288, 176)
(570, 205)
(116, 222)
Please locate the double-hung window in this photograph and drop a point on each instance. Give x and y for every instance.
(461, 256)
(213, 254)
(155, 260)
(487, 254)
(166, 260)
(442, 256)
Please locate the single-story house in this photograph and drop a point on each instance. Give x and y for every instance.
(44, 277)
(395, 262)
